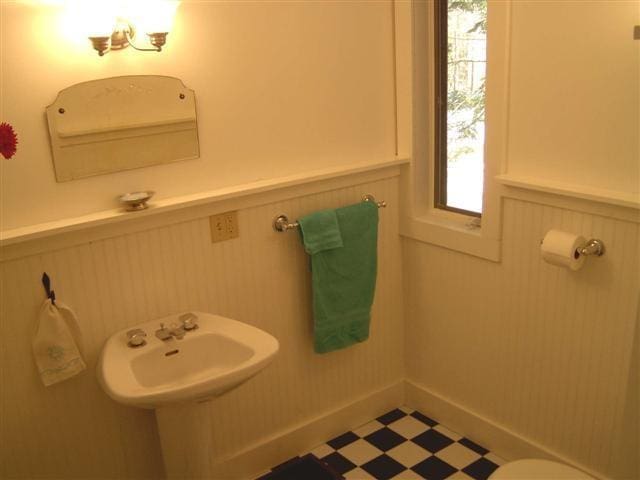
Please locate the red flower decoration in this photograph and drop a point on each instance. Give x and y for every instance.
(8, 140)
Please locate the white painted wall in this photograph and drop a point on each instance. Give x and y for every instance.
(281, 88)
(73, 430)
(574, 113)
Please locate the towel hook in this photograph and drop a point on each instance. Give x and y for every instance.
(47, 288)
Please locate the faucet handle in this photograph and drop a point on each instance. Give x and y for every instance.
(136, 337)
(188, 321)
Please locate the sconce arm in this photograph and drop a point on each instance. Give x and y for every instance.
(130, 40)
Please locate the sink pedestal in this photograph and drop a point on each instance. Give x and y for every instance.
(186, 438)
(192, 451)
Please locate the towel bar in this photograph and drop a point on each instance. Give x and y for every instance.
(281, 222)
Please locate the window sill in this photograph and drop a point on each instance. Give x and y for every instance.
(451, 233)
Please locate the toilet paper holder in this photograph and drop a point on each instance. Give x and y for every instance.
(592, 247)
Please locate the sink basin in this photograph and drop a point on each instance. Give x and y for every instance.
(212, 359)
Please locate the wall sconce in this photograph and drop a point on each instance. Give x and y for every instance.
(118, 33)
(122, 37)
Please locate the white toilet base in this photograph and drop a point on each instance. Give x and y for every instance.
(536, 469)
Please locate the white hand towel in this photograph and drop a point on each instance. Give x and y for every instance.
(56, 343)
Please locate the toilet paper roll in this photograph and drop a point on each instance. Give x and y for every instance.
(561, 249)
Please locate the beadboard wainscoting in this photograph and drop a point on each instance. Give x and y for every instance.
(539, 351)
(73, 430)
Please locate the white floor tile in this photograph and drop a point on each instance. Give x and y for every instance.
(457, 455)
(358, 474)
(460, 476)
(360, 452)
(408, 454)
(406, 410)
(408, 427)
(368, 428)
(407, 475)
(322, 451)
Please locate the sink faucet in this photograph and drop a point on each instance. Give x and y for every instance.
(164, 333)
(189, 322)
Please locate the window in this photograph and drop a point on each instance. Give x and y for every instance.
(460, 65)
(415, 31)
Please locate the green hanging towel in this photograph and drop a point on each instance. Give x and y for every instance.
(343, 278)
(320, 231)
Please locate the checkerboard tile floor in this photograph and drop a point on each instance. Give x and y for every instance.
(405, 444)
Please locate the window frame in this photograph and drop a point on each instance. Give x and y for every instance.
(415, 103)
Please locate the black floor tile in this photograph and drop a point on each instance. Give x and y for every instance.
(342, 440)
(480, 469)
(432, 440)
(338, 463)
(424, 419)
(383, 467)
(385, 439)
(473, 446)
(434, 468)
(391, 416)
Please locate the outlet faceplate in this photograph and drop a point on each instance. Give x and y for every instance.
(224, 226)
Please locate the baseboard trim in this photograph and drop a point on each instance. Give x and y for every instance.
(270, 451)
(497, 438)
(279, 447)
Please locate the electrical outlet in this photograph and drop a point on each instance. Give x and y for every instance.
(231, 224)
(224, 226)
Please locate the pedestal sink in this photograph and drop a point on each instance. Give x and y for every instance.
(177, 362)
(214, 356)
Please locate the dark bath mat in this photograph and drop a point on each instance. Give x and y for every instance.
(302, 468)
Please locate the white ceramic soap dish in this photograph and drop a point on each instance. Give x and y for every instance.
(136, 200)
